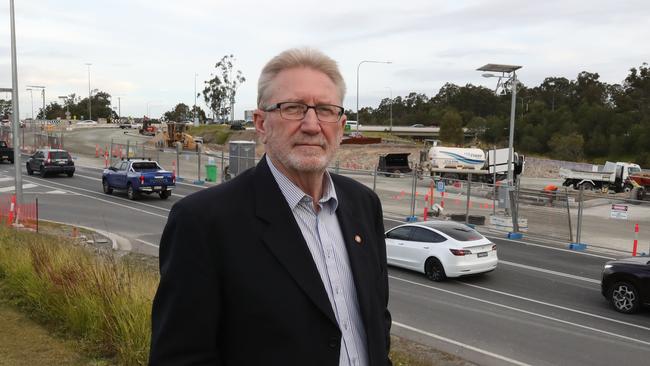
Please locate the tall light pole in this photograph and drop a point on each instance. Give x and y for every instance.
(391, 109)
(119, 108)
(31, 96)
(18, 179)
(359, 66)
(64, 98)
(89, 93)
(194, 108)
(42, 88)
(552, 83)
(508, 73)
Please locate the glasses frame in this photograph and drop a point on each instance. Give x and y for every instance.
(278, 107)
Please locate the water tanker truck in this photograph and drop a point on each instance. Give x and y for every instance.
(468, 160)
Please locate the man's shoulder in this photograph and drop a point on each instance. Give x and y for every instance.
(225, 194)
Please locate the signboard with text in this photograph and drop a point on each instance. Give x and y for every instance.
(619, 212)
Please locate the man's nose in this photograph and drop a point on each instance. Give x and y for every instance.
(310, 123)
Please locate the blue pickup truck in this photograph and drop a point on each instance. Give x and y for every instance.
(137, 176)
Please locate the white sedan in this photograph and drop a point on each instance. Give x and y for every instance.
(440, 249)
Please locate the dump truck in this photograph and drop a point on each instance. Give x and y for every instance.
(612, 176)
(393, 164)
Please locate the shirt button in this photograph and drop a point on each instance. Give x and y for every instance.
(334, 342)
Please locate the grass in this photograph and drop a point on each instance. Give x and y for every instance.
(102, 302)
(217, 134)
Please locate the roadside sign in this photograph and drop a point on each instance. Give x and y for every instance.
(440, 186)
(618, 211)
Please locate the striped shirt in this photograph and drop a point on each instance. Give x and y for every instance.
(324, 239)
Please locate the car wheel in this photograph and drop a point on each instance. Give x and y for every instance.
(624, 297)
(587, 186)
(397, 173)
(29, 170)
(70, 174)
(107, 189)
(165, 194)
(434, 270)
(131, 193)
(43, 173)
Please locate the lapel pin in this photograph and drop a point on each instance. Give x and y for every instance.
(357, 238)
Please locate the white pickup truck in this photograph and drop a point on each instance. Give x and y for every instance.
(612, 176)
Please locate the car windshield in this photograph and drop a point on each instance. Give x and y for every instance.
(59, 155)
(460, 233)
(145, 166)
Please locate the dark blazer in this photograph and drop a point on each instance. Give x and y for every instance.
(239, 286)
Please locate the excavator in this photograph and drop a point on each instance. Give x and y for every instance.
(175, 132)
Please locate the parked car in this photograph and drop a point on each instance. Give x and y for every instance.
(50, 161)
(237, 126)
(138, 176)
(87, 122)
(626, 283)
(6, 152)
(418, 125)
(440, 249)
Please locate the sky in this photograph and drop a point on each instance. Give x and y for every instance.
(148, 52)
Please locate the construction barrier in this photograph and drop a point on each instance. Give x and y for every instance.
(21, 215)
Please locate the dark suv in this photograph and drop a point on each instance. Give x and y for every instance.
(50, 161)
(626, 283)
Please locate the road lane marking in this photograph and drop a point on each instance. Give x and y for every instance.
(6, 179)
(112, 203)
(555, 306)
(11, 188)
(98, 193)
(561, 274)
(99, 180)
(148, 243)
(596, 330)
(460, 344)
(526, 243)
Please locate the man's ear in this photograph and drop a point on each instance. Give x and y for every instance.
(259, 117)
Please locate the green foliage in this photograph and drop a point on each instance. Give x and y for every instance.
(5, 108)
(219, 92)
(99, 300)
(613, 120)
(217, 134)
(567, 147)
(78, 107)
(451, 128)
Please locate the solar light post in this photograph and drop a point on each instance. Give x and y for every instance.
(18, 179)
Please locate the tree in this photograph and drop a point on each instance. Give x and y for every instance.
(219, 92)
(451, 128)
(180, 113)
(5, 108)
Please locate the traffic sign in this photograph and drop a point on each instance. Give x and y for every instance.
(619, 212)
(440, 186)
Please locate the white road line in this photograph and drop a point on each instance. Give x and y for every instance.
(11, 188)
(99, 180)
(555, 306)
(596, 330)
(460, 344)
(6, 179)
(549, 247)
(526, 243)
(112, 203)
(72, 188)
(148, 243)
(561, 274)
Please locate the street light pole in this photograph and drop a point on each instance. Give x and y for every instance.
(18, 179)
(511, 138)
(194, 108)
(358, 66)
(119, 108)
(89, 93)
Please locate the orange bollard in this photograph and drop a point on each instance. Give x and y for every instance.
(442, 199)
(426, 212)
(636, 239)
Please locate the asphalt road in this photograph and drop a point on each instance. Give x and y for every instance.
(542, 306)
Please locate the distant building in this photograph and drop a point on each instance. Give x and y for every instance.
(248, 115)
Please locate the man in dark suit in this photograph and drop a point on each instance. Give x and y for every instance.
(286, 263)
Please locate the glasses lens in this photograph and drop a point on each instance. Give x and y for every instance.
(328, 113)
(293, 110)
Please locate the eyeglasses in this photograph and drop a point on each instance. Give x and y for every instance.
(296, 111)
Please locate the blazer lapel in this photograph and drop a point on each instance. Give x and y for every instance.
(284, 238)
(360, 252)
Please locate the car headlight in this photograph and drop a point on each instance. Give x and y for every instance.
(608, 266)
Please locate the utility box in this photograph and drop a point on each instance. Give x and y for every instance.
(241, 157)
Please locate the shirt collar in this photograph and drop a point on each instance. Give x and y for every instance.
(293, 194)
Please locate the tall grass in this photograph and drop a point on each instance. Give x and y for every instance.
(103, 302)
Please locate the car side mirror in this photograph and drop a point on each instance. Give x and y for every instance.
(112, 168)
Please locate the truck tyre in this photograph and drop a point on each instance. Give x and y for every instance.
(637, 193)
(587, 186)
(131, 193)
(29, 170)
(165, 194)
(43, 173)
